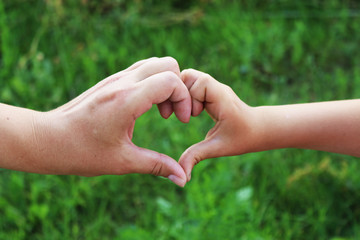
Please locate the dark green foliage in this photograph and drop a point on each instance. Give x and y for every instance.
(269, 52)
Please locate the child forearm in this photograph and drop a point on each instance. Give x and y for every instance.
(239, 128)
(326, 126)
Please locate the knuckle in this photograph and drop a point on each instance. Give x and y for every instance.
(187, 71)
(157, 166)
(195, 157)
(184, 74)
(204, 79)
(170, 60)
(170, 78)
(153, 58)
(169, 75)
(172, 63)
(201, 83)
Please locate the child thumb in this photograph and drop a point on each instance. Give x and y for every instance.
(198, 152)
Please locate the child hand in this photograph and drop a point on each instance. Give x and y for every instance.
(233, 133)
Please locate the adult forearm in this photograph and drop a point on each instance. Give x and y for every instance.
(325, 126)
(37, 142)
(17, 143)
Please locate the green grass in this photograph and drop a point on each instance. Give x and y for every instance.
(269, 52)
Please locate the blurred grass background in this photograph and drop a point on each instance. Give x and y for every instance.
(270, 52)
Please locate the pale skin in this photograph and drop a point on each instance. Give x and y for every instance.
(91, 135)
(239, 128)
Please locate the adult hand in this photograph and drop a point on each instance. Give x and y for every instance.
(92, 134)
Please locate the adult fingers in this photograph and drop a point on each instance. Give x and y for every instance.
(165, 109)
(114, 77)
(150, 162)
(142, 69)
(159, 88)
(118, 75)
(155, 66)
(138, 64)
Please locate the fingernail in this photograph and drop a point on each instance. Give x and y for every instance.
(178, 181)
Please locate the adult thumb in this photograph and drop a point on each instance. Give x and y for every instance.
(209, 148)
(150, 162)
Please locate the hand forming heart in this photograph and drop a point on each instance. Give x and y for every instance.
(233, 133)
(92, 134)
